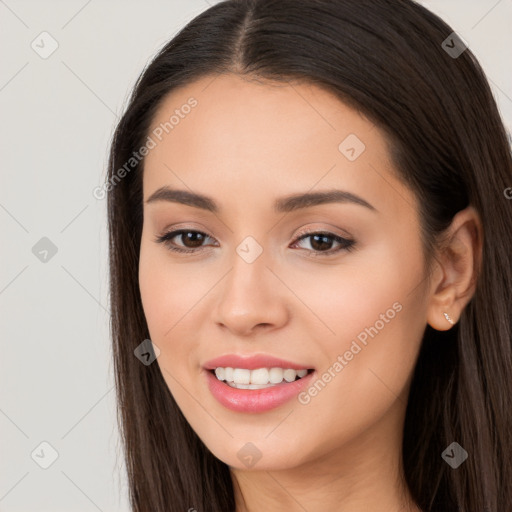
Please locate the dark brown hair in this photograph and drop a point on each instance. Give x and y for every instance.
(384, 58)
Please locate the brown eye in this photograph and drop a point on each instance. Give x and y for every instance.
(322, 242)
(191, 240)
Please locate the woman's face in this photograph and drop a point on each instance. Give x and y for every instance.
(353, 308)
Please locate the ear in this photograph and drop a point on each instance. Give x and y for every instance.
(456, 270)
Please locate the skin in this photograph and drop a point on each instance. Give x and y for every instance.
(246, 144)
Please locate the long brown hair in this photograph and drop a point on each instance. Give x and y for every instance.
(387, 59)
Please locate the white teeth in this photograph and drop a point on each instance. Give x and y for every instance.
(249, 386)
(228, 374)
(275, 375)
(259, 378)
(241, 376)
(289, 375)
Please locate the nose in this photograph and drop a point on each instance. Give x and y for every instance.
(251, 298)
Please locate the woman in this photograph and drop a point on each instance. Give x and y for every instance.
(309, 220)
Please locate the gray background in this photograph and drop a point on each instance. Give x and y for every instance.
(58, 115)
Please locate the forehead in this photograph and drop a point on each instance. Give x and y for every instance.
(231, 111)
(224, 133)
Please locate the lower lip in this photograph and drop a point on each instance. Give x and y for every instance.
(255, 400)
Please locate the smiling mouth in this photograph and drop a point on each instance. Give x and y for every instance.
(260, 378)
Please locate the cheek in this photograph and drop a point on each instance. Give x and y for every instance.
(167, 291)
(154, 286)
(376, 309)
(366, 288)
(171, 294)
(371, 312)
(164, 294)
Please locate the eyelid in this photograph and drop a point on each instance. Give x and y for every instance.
(309, 230)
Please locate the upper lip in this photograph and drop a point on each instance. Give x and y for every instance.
(252, 362)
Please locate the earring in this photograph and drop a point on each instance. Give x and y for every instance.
(447, 316)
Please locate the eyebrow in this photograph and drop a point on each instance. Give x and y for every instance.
(282, 205)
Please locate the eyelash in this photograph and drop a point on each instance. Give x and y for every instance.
(346, 244)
